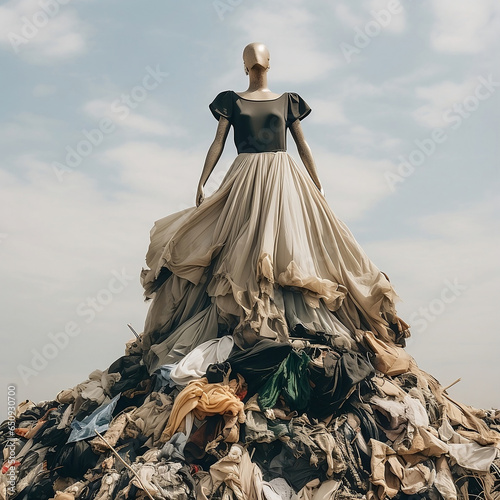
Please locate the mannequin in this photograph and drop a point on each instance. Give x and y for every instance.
(256, 59)
(264, 256)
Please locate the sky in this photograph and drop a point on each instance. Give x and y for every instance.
(104, 126)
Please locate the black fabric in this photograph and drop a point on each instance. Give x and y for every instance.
(259, 362)
(216, 372)
(74, 459)
(131, 371)
(297, 471)
(41, 490)
(31, 459)
(333, 382)
(259, 125)
(51, 435)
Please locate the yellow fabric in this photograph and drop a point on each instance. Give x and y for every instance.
(203, 399)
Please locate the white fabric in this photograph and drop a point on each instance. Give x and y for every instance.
(473, 456)
(466, 453)
(195, 364)
(284, 490)
(327, 490)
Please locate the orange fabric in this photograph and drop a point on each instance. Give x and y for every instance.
(204, 400)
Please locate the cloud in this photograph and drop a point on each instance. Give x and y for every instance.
(454, 251)
(288, 29)
(62, 243)
(99, 108)
(43, 90)
(448, 101)
(352, 184)
(469, 26)
(42, 33)
(28, 127)
(327, 112)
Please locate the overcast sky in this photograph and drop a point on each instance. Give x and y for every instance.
(104, 127)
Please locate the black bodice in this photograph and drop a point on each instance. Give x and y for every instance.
(259, 126)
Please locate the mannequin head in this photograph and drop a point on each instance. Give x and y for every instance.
(256, 55)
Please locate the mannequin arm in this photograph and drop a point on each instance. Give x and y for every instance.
(213, 155)
(304, 152)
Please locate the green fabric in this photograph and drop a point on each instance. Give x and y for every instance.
(291, 381)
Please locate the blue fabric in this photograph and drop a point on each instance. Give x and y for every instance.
(163, 377)
(98, 420)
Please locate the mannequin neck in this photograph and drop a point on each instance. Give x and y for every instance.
(257, 80)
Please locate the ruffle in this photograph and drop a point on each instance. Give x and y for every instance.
(264, 254)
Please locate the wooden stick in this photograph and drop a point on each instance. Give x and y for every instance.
(452, 384)
(133, 331)
(125, 464)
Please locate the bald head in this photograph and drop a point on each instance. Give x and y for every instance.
(256, 54)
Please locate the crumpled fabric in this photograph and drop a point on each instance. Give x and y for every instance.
(317, 490)
(131, 370)
(203, 399)
(164, 480)
(389, 358)
(403, 416)
(260, 429)
(97, 389)
(278, 489)
(108, 485)
(97, 420)
(390, 473)
(162, 377)
(465, 452)
(334, 375)
(194, 365)
(239, 473)
(315, 441)
(174, 449)
(473, 456)
(290, 381)
(423, 444)
(151, 418)
(444, 480)
(259, 362)
(114, 432)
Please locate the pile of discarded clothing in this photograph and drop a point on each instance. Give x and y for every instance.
(304, 420)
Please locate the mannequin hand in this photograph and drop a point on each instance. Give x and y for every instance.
(200, 195)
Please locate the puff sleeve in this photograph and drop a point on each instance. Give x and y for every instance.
(222, 105)
(297, 108)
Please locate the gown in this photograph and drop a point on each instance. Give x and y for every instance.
(262, 257)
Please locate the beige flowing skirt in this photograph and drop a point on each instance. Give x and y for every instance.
(262, 255)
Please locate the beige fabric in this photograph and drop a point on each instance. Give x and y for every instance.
(316, 490)
(390, 472)
(266, 225)
(444, 480)
(151, 418)
(112, 435)
(389, 358)
(239, 473)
